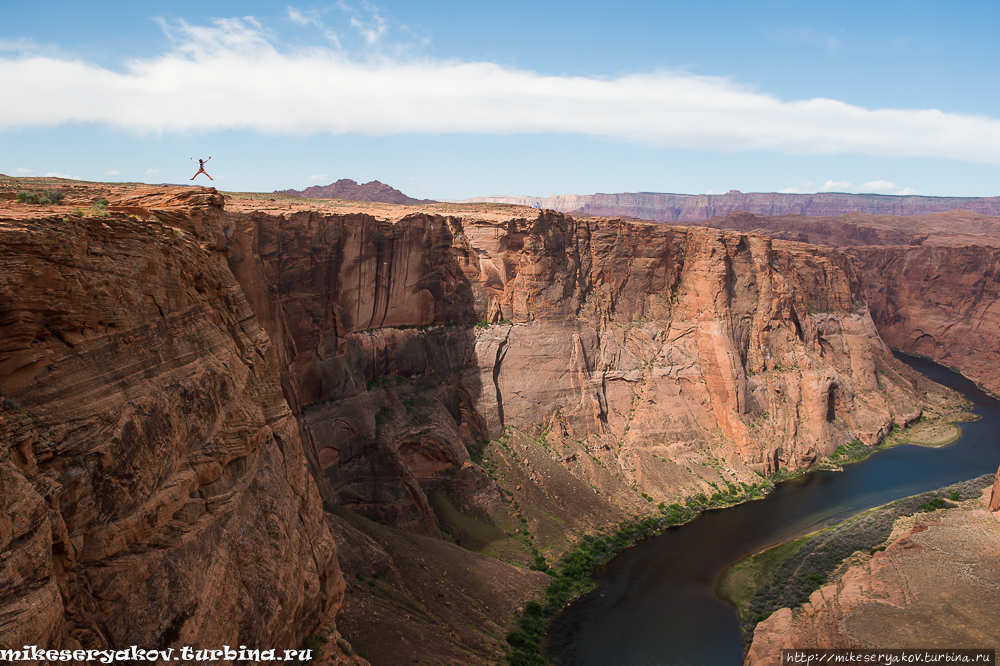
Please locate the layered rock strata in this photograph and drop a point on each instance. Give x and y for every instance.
(696, 207)
(639, 348)
(153, 485)
(938, 302)
(932, 283)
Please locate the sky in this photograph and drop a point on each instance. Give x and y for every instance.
(449, 100)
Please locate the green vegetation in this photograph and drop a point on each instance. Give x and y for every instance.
(935, 504)
(483, 323)
(45, 198)
(850, 453)
(11, 404)
(785, 576)
(569, 579)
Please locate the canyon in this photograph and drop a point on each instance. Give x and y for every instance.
(234, 417)
(698, 207)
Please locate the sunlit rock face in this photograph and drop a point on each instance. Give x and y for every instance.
(640, 349)
(153, 487)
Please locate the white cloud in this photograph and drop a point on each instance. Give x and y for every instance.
(56, 174)
(113, 172)
(319, 177)
(835, 186)
(152, 172)
(210, 79)
(21, 171)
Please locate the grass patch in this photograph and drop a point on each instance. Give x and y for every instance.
(785, 576)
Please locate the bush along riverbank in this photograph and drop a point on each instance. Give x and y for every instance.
(572, 576)
(786, 575)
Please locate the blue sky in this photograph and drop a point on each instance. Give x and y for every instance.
(450, 100)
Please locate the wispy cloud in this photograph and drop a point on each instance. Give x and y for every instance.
(313, 17)
(113, 172)
(232, 75)
(21, 171)
(315, 178)
(367, 21)
(829, 41)
(56, 174)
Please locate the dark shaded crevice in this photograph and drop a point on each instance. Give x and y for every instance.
(501, 352)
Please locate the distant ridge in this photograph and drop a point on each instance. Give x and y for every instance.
(346, 188)
(697, 207)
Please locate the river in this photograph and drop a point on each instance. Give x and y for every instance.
(655, 603)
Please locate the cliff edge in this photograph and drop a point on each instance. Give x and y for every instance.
(153, 486)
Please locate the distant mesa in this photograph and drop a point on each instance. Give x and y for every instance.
(698, 207)
(345, 188)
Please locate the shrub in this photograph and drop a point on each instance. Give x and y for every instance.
(25, 196)
(11, 404)
(54, 196)
(934, 505)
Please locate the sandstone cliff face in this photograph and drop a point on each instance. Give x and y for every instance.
(995, 494)
(939, 302)
(931, 283)
(638, 348)
(694, 207)
(153, 485)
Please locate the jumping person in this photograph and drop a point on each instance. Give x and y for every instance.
(201, 168)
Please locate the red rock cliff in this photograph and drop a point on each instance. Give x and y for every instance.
(940, 302)
(653, 348)
(152, 481)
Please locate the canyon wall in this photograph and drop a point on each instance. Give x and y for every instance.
(939, 302)
(153, 485)
(696, 207)
(932, 282)
(670, 359)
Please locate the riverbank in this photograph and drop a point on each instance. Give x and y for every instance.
(789, 574)
(932, 583)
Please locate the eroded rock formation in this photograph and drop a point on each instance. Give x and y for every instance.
(932, 282)
(939, 302)
(644, 348)
(153, 487)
